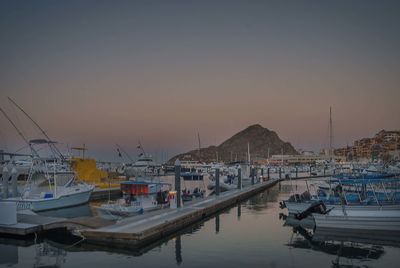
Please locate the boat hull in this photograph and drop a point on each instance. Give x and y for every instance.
(298, 207)
(371, 223)
(68, 200)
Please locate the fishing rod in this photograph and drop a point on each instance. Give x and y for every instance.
(37, 125)
(19, 132)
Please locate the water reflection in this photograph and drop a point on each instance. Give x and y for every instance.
(347, 249)
(239, 211)
(9, 254)
(217, 224)
(346, 246)
(49, 256)
(178, 250)
(44, 254)
(263, 200)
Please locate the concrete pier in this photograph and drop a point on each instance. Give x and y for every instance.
(30, 223)
(141, 230)
(136, 231)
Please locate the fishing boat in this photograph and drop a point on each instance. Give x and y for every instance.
(371, 211)
(143, 166)
(354, 193)
(138, 197)
(51, 183)
(47, 191)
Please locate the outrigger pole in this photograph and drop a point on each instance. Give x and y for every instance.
(37, 125)
(120, 148)
(19, 132)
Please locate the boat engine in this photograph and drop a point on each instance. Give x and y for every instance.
(318, 207)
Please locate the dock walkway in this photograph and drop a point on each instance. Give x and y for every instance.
(144, 229)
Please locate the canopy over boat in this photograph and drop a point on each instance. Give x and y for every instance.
(142, 187)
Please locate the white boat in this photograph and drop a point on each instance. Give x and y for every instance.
(44, 191)
(139, 197)
(356, 219)
(123, 209)
(66, 197)
(50, 185)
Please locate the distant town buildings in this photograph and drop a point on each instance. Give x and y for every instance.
(384, 145)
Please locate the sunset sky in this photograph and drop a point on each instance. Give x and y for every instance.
(106, 72)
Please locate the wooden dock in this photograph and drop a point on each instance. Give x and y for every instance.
(144, 229)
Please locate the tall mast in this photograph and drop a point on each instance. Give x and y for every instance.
(120, 148)
(19, 132)
(198, 138)
(330, 133)
(141, 148)
(37, 125)
(248, 152)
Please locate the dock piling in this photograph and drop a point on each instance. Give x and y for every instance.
(239, 185)
(5, 182)
(178, 182)
(217, 190)
(14, 183)
(252, 175)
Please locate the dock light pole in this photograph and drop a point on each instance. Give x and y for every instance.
(239, 185)
(268, 173)
(262, 173)
(217, 190)
(178, 182)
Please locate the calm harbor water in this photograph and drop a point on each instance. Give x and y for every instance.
(253, 233)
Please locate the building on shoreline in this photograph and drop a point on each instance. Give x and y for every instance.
(384, 145)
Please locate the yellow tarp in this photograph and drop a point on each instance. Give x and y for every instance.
(87, 171)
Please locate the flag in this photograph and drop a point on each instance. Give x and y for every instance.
(119, 153)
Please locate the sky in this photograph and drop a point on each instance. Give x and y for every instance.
(105, 72)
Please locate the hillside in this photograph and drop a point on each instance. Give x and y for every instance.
(259, 138)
